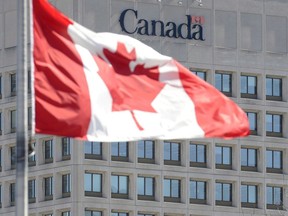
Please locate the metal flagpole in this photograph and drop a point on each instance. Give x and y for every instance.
(22, 126)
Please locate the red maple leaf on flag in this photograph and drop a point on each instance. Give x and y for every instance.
(130, 90)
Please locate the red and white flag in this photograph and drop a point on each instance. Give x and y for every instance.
(110, 87)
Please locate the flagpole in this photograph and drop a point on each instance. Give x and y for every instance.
(21, 126)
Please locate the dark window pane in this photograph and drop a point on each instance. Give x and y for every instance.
(140, 185)
(269, 159)
(244, 192)
(243, 84)
(218, 155)
(269, 86)
(218, 81)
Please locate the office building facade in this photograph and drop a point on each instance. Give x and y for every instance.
(239, 46)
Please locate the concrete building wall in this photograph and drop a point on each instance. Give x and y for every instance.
(242, 37)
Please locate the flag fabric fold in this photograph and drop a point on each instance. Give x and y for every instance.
(111, 87)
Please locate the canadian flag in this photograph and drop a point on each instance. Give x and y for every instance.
(110, 87)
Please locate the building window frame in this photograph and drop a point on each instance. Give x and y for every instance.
(32, 158)
(170, 193)
(172, 153)
(248, 86)
(198, 195)
(274, 125)
(221, 198)
(120, 151)
(66, 148)
(201, 74)
(66, 213)
(1, 123)
(220, 83)
(274, 204)
(275, 92)
(148, 190)
(120, 213)
(247, 200)
(12, 188)
(249, 164)
(120, 186)
(93, 184)
(93, 150)
(198, 155)
(48, 188)
(92, 213)
(146, 151)
(13, 157)
(66, 185)
(13, 121)
(252, 118)
(32, 191)
(48, 151)
(13, 84)
(224, 162)
(274, 166)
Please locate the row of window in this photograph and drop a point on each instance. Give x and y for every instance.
(11, 80)
(248, 85)
(274, 122)
(100, 213)
(148, 186)
(172, 154)
(223, 82)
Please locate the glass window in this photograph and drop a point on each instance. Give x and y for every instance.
(12, 193)
(0, 123)
(223, 193)
(0, 86)
(248, 194)
(13, 156)
(273, 160)
(197, 191)
(171, 189)
(146, 151)
(93, 184)
(171, 153)
(13, 120)
(274, 196)
(223, 83)
(197, 155)
(145, 186)
(93, 213)
(29, 118)
(48, 145)
(223, 157)
(66, 147)
(273, 88)
(120, 151)
(13, 84)
(119, 185)
(0, 196)
(252, 117)
(66, 213)
(48, 185)
(31, 189)
(66, 183)
(248, 157)
(273, 124)
(119, 214)
(200, 74)
(93, 150)
(32, 158)
(248, 86)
